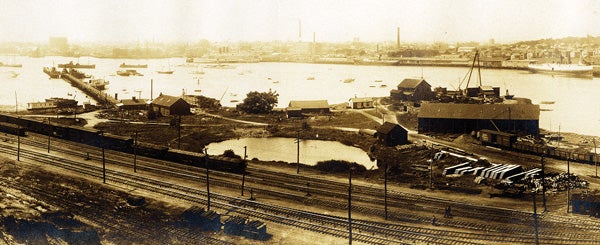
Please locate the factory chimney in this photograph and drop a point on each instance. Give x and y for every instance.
(398, 38)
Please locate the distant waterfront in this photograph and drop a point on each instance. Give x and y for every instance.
(574, 109)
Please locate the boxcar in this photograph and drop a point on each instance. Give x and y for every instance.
(12, 129)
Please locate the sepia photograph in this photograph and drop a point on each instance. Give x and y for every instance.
(299, 122)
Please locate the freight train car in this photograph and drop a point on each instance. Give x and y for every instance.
(511, 142)
(97, 138)
(12, 129)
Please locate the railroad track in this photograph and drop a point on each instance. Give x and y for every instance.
(307, 220)
(471, 236)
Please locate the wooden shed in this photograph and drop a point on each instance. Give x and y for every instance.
(391, 134)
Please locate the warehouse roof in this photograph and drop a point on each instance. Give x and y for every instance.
(480, 111)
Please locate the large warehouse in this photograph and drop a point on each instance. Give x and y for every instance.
(522, 118)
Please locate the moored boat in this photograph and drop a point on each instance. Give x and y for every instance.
(77, 65)
(128, 72)
(566, 69)
(99, 83)
(123, 65)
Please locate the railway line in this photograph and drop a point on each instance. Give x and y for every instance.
(409, 233)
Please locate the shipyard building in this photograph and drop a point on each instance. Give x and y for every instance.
(513, 116)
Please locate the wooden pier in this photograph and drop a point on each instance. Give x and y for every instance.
(101, 97)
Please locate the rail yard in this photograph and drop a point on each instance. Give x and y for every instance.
(310, 204)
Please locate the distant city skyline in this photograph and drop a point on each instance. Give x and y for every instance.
(271, 20)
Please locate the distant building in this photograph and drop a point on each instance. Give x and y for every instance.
(465, 118)
(411, 89)
(133, 104)
(391, 134)
(362, 103)
(167, 105)
(297, 108)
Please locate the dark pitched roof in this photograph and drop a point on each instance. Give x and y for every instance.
(411, 83)
(480, 111)
(166, 100)
(133, 102)
(387, 127)
(309, 104)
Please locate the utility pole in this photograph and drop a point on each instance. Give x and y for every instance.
(544, 184)
(49, 130)
(244, 173)
(595, 157)
(535, 219)
(179, 132)
(350, 205)
(207, 179)
(385, 189)
(431, 172)
(19, 141)
(103, 159)
(135, 152)
(298, 152)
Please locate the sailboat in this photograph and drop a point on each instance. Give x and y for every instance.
(167, 71)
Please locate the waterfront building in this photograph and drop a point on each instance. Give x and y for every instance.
(411, 89)
(361, 103)
(133, 104)
(297, 108)
(517, 117)
(167, 105)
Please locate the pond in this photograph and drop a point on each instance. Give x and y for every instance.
(285, 149)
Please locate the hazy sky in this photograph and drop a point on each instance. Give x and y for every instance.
(264, 20)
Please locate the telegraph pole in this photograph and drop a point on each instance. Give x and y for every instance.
(244, 172)
(543, 184)
(535, 219)
(134, 152)
(349, 205)
(103, 159)
(595, 157)
(179, 132)
(298, 152)
(207, 180)
(19, 141)
(49, 130)
(385, 189)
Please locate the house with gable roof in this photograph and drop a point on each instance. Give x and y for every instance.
(167, 105)
(412, 89)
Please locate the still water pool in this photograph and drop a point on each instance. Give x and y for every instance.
(285, 149)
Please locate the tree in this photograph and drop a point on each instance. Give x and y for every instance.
(259, 102)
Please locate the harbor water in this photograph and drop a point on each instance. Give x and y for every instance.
(574, 108)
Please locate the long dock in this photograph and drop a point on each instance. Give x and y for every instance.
(101, 97)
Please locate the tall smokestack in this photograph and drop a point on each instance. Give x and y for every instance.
(314, 37)
(398, 38)
(299, 29)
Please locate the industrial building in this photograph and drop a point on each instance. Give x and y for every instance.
(520, 118)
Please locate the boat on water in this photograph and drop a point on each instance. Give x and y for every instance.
(10, 65)
(219, 66)
(565, 69)
(99, 83)
(348, 80)
(128, 72)
(77, 65)
(123, 65)
(310, 78)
